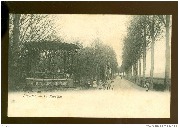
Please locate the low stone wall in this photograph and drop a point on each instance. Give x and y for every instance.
(158, 83)
(47, 84)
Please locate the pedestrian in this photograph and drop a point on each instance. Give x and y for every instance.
(147, 86)
(120, 76)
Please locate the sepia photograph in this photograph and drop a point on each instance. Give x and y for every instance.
(89, 65)
(89, 62)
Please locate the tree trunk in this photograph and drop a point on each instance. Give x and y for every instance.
(97, 75)
(64, 61)
(152, 63)
(16, 33)
(136, 72)
(140, 70)
(152, 54)
(167, 54)
(144, 60)
(129, 72)
(132, 72)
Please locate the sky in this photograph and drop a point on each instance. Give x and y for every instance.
(110, 29)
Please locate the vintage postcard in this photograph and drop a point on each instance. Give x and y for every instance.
(89, 65)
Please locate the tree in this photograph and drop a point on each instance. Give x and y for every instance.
(14, 49)
(155, 29)
(165, 19)
(135, 44)
(93, 62)
(143, 31)
(25, 28)
(143, 23)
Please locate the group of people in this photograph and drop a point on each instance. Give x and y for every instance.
(121, 76)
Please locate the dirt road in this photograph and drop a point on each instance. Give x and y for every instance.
(126, 100)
